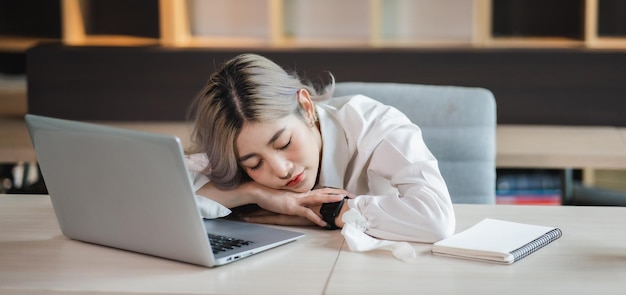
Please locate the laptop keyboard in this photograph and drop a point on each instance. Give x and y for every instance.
(224, 243)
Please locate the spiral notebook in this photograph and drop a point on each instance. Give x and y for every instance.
(498, 241)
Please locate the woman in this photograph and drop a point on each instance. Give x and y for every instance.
(261, 139)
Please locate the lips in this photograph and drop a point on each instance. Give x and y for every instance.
(296, 180)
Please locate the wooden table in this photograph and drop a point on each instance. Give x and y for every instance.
(590, 258)
(35, 258)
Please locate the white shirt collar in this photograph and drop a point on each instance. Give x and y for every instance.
(334, 150)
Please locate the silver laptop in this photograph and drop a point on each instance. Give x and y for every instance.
(131, 190)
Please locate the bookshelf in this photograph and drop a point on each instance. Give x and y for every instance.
(110, 22)
(320, 23)
(609, 30)
(18, 28)
(537, 23)
(424, 23)
(528, 186)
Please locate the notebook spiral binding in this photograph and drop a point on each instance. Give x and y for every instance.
(535, 245)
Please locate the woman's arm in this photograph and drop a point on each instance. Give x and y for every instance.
(290, 208)
(229, 199)
(422, 209)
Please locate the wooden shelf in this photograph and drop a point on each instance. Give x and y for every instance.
(113, 40)
(10, 43)
(28, 22)
(607, 42)
(534, 42)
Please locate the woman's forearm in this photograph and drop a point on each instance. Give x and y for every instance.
(242, 195)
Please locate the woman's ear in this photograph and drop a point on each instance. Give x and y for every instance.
(304, 98)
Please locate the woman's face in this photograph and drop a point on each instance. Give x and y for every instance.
(283, 154)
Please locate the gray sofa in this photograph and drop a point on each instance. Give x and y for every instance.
(458, 125)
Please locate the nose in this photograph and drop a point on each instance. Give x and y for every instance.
(283, 168)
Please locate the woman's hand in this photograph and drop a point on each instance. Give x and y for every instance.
(289, 208)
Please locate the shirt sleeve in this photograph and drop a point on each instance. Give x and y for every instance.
(196, 163)
(421, 210)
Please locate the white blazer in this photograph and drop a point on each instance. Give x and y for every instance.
(376, 152)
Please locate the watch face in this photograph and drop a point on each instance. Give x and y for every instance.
(331, 209)
(329, 212)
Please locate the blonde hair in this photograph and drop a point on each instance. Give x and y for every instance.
(248, 88)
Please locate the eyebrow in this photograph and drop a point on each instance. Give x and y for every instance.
(271, 141)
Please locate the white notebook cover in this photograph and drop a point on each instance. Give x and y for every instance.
(496, 240)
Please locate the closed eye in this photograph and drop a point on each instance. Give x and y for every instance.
(260, 164)
(286, 145)
(257, 166)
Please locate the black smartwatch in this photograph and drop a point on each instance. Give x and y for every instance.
(330, 211)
